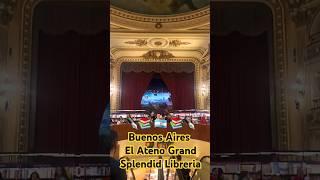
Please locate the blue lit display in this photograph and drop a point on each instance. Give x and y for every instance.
(156, 98)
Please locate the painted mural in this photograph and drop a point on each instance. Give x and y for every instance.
(160, 7)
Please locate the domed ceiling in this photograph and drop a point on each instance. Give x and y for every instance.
(160, 7)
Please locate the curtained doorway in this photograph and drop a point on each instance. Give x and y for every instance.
(69, 76)
(243, 88)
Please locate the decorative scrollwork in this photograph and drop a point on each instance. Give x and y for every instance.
(177, 43)
(279, 45)
(138, 42)
(158, 54)
(115, 100)
(159, 19)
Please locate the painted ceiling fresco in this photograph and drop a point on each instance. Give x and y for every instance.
(160, 7)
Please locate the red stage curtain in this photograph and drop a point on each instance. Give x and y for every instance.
(133, 87)
(181, 87)
(71, 92)
(241, 97)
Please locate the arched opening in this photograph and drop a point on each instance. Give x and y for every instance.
(69, 76)
(243, 92)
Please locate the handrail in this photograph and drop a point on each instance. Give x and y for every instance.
(131, 170)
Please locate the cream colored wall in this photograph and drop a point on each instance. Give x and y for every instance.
(300, 81)
(194, 30)
(312, 98)
(9, 119)
(295, 42)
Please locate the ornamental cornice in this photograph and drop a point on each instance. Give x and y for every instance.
(122, 20)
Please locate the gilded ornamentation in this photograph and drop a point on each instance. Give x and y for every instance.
(177, 43)
(115, 100)
(7, 9)
(206, 55)
(158, 54)
(159, 19)
(195, 19)
(158, 25)
(280, 58)
(158, 42)
(206, 72)
(302, 11)
(138, 42)
(128, 21)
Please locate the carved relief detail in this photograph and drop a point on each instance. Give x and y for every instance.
(158, 54)
(115, 101)
(177, 43)
(302, 11)
(280, 61)
(157, 42)
(138, 42)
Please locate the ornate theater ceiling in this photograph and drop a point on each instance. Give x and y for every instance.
(160, 7)
(160, 31)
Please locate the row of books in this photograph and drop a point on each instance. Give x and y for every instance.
(175, 123)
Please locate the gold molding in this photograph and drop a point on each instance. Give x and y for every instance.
(160, 19)
(158, 54)
(280, 59)
(122, 20)
(138, 42)
(177, 43)
(116, 72)
(157, 42)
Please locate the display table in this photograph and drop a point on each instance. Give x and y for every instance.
(201, 132)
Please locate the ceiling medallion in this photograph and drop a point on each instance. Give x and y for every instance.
(158, 42)
(158, 25)
(176, 43)
(138, 42)
(158, 54)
